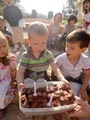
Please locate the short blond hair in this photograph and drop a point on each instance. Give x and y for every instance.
(38, 28)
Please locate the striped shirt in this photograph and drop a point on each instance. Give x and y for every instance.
(36, 66)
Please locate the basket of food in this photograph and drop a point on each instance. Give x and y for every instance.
(46, 98)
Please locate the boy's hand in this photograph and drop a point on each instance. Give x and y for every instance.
(83, 94)
(21, 86)
(65, 81)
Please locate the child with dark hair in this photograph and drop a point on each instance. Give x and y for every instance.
(86, 20)
(72, 19)
(73, 62)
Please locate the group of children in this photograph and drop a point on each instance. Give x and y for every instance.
(36, 59)
(71, 67)
(58, 33)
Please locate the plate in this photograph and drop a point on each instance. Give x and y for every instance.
(44, 111)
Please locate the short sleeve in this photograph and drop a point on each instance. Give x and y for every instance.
(12, 61)
(59, 60)
(23, 60)
(49, 56)
(86, 63)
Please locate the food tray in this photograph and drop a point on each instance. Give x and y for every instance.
(44, 111)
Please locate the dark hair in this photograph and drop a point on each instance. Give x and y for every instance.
(79, 35)
(85, 11)
(72, 17)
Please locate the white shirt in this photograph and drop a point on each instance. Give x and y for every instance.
(68, 69)
(86, 17)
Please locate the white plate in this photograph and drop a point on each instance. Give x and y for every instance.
(44, 111)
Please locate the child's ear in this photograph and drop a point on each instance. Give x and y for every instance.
(84, 49)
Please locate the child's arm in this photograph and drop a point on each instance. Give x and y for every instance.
(13, 74)
(85, 83)
(13, 67)
(20, 76)
(57, 72)
(84, 23)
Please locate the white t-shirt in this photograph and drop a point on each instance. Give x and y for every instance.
(68, 69)
(86, 17)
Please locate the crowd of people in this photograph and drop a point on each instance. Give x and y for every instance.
(72, 67)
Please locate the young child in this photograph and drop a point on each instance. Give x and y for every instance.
(14, 17)
(73, 63)
(7, 74)
(36, 60)
(86, 20)
(86, 15)
(55, 29)
(4, 29)
(72, 19)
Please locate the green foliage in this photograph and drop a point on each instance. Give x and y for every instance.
(64, 22)
(1, 3)
(50, 14)
(34, 13)
(1, 10)
(69, 8)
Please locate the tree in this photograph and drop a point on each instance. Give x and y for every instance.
(50, 14)
(34, 13)
(69, 8)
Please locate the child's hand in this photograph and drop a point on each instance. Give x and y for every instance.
(21, 86)
(83, 94)
(13, 85)
(11, 92)
(65, 81)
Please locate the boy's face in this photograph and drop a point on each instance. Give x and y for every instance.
(73, 50)
(38, 42)
(8, 2)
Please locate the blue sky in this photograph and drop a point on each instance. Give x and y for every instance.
(43, 6)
